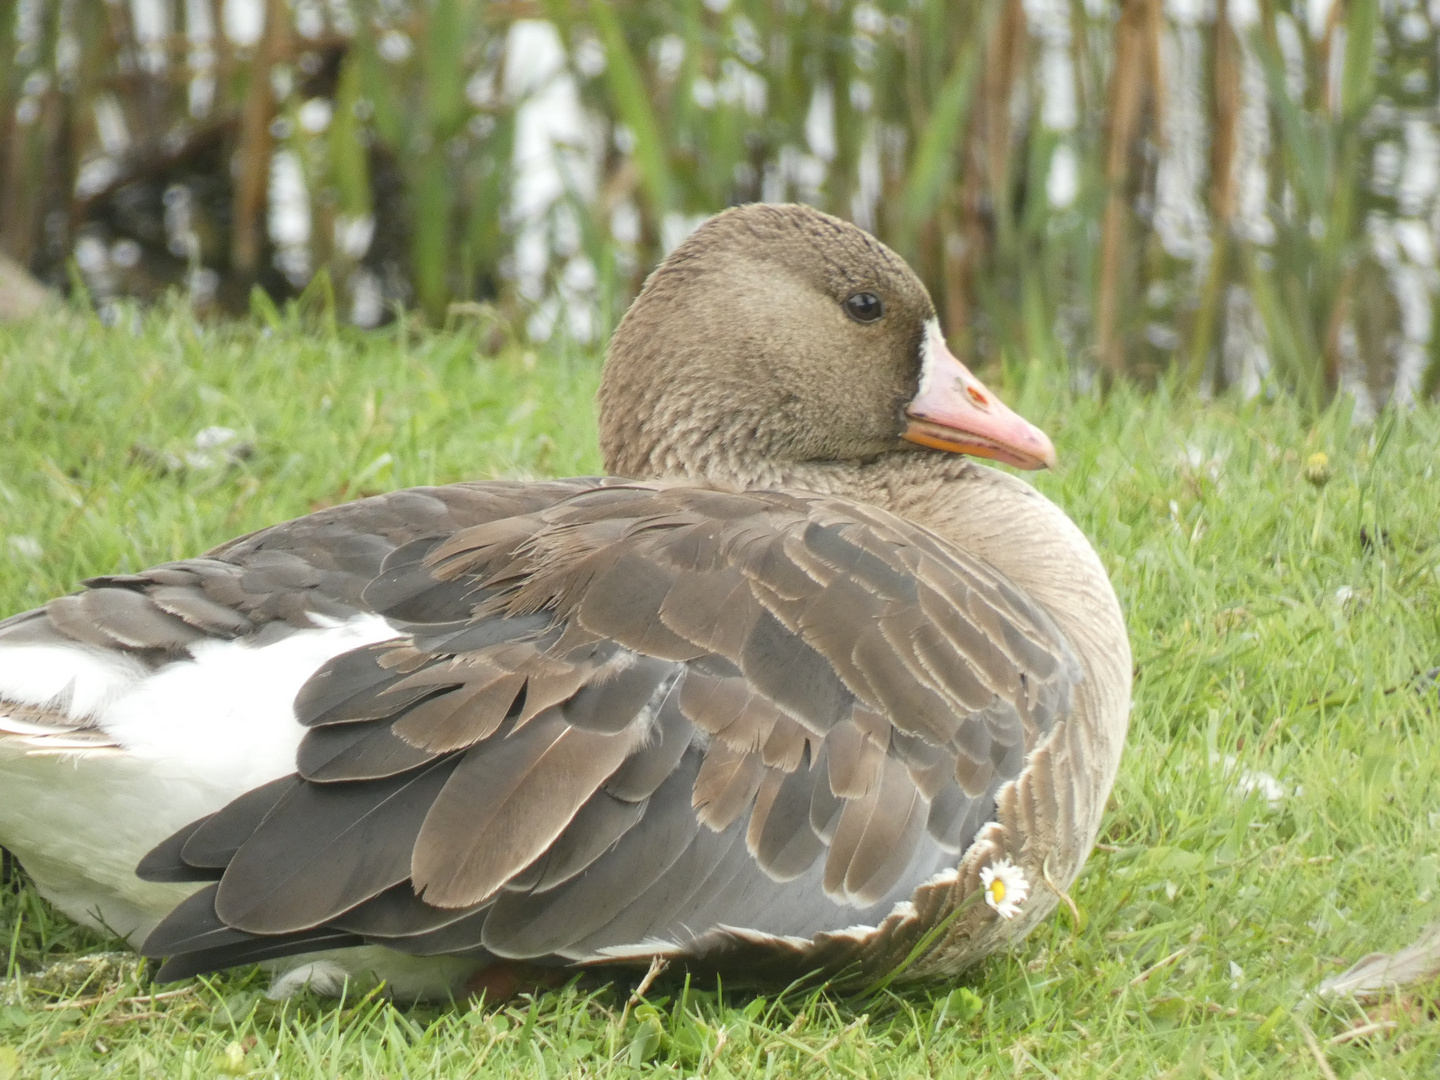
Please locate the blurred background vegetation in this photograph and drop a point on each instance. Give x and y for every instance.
(1234, 192)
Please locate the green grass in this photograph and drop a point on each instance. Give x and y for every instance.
(1265, 630)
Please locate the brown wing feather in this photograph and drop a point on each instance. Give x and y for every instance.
(853, 761)
(843, 688)
(623, 603)
(875, 837)
(459, 718)
(786, 844)
(110, 617)
(726, 785)
(506, 803)
(714, 610)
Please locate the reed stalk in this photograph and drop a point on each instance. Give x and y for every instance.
(255, 145)
(1225, 105)
(1134, 88)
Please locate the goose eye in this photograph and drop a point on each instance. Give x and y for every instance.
(864, 307)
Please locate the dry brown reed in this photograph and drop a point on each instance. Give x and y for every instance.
(1136, 99)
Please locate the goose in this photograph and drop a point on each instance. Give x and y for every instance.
(798, 687)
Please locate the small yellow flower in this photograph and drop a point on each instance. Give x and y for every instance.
(1317, 469)
(232, 1060)
(1006, 887)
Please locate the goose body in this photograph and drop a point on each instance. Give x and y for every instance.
(787, 702)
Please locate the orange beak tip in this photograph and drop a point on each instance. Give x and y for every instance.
(1028, 454)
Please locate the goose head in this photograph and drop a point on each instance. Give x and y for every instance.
(778, 335)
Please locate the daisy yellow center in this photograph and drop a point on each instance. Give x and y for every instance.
(997, 891)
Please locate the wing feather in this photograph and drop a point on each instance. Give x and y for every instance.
(647, 768)
(594, 829)
(726, 785)
(459, 718)
(611, 715)
(356, 752)
(786, 844)
(551, 922)
(506, 803)
(324, 848)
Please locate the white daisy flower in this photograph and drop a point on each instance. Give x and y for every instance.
(1005, 887)
(1270, 789)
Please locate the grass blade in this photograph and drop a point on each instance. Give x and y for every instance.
(933, 164)
(633, 108)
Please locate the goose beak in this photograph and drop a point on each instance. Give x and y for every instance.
(955, 411)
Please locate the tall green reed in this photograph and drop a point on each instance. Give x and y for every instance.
(929, 122)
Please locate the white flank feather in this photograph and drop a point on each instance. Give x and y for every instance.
(82, 680)
(158, 750)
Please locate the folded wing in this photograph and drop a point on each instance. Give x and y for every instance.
(629, 719)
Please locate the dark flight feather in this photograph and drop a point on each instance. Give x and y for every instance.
(408, 590)
(325, 848)
(673, 894)
(397, 913)
(345, 689)
(338, 752)
(197, 941)
(594, 829)
(164, 863)
(193, 926)
(254, 950)
(219, 837)
(524, 926)
(646, 769)
(458, 938)
(203, 848)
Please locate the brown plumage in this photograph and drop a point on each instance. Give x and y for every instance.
(771, 708)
